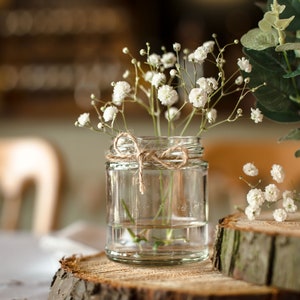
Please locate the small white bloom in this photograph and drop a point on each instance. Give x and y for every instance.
(239, 80)
(125, 50)
(211, 115)
(148, 76)
(280, 215)
(110, 113)
(154, 60)
(209, 46)
(252, 212)
(167, 95)
(172, 114)
(244, 65)
(120, 92)
(176, 47)
(126, 74)
(100, 125)
(200, 54)
(277, 173)
(287, 194)
(208, 85)
(198, 97)
(83, 120)
(289, 205)
(256, 115)
(168, 60)
(272, 193)
(158, 79)
(250, 169)
(255, 197)
(173, 72)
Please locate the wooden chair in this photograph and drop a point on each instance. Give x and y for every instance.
(26, 161)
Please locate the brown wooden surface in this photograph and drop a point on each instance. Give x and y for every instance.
(262, 251)
(96, 277)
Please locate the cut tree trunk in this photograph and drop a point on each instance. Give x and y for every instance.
(96, 278)
(262, 251)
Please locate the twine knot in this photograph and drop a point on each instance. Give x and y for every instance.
(141, 156)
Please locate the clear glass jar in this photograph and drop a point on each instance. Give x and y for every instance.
(156, 200)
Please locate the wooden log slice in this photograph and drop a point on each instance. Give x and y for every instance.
(263, 251)
(96, 277)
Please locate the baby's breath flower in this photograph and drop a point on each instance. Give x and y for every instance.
(143, 52)
(120, 92)
(239, 80)
(256, 115)
(280, 215)
(167, 95)
(289, 205)
(277, 173)
(168, 60)
(100, 125)
(208, 85)
(126, 74)
(244, 65)
(148, 76)
(211, 115)
(125, 50)
(209, 46)
(272, 193)
(255, 197)
(198, 97)
(173, 73)
(158, 79)
(154, 60)
(110, 113)
(200, 55)
(250, 169)
(252, 212)
(172, 114)
(83, 120)
(176, 47)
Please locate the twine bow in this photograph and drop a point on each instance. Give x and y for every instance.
(148, 155)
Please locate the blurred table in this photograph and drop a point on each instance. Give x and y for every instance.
(28, 263)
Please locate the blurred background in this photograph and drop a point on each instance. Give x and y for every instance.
(55, 53)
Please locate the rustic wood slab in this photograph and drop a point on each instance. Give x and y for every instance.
(96, 277)
(262, 251)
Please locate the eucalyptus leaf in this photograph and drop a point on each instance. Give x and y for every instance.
(288, 46)
(257, 39)
(294, 134)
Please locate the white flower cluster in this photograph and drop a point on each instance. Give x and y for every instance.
(256, 197)
(164, 86)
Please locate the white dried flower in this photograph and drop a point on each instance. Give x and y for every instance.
(289, 205)
(168, 60)
(198, 97)
(272, 193)
(255, 197)
(252, 212)
(280, 215)
(239, 80)
(176, 47)
(244, 64)
(211, 115)
(148, 76)
(83, 120)
(256, 115)
(158, 79)
(250, 169)
(167, 95)
(208, 85)
(110, 113)
(173, 73)
(121, 91)
(209, 46)
(172, 113)
(154, 60)
(277, 173)
(200, 54)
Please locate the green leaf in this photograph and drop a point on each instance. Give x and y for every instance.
(257, 39)
(294, 134)
(274, 99)
(297, 153)
(292, 74)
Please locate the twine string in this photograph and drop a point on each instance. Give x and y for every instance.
(141, 156)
